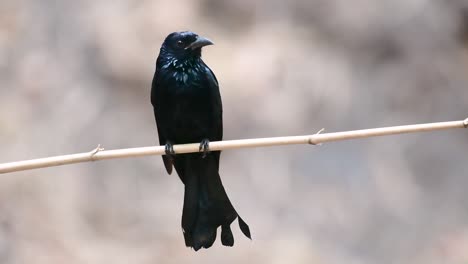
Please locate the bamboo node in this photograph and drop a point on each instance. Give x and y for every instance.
(465, 123)
(311, 138)
(95, 151)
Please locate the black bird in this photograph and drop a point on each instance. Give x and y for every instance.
(187, 107)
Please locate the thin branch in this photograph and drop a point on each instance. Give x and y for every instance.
(318, 138)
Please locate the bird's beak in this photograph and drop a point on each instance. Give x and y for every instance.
(199, 42)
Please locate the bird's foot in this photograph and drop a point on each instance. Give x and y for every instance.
(205, 147)
(169, 148)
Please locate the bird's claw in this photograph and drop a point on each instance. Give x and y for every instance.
(169, 149)
(205, 147)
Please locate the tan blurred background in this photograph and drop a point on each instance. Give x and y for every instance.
(74, 74)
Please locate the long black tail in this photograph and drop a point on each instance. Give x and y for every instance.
(206, 204)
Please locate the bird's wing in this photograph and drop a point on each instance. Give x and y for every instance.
(217, 103)
(168, 161)
(218, 106)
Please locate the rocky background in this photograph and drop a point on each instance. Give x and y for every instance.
(74, 74)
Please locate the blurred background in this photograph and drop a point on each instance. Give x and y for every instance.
(75, 74)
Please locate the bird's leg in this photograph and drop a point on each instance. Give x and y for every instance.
(169, 148)
(205, 147)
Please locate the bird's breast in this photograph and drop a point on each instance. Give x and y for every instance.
(183, 74)
(185, 79)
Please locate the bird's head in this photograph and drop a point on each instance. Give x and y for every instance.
(184, 45)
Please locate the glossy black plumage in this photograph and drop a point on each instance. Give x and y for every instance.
(187, 107)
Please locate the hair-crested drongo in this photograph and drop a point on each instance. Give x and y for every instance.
(187, 107)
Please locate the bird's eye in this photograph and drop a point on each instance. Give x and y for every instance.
(180, 43)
